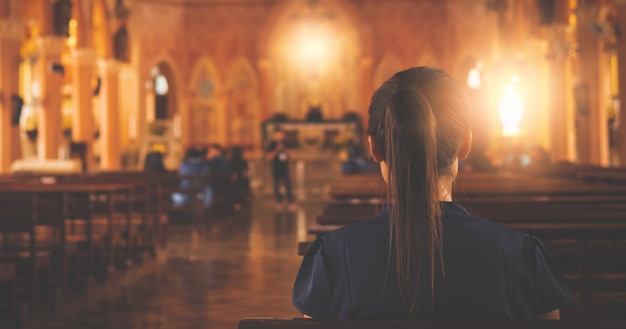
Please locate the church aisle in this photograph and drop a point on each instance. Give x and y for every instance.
(243, 266)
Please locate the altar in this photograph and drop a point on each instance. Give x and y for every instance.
(316, 140)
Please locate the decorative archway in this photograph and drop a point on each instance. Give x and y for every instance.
(205, 114)
(164, 92)
(243, 104)
(314, 49)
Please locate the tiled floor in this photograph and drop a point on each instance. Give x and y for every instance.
(243, 266)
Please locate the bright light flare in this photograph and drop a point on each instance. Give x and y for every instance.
(312, 46)
(473, 79)
(511, 109)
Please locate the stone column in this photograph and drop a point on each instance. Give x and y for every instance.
(558, 112)
(266, 92)
(10, 41)
(366, 85)
(47, 96)
(110, 156)
(592, 138)
(83, 66)
(621, 59)
(366, 90)
(560, 118)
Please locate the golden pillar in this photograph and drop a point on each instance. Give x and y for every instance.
(110, 158)
(47, 75)
(558, 111)
(592, 138)
(621, 59)
(10, 41)
(83, 66)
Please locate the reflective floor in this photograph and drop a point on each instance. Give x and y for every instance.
(243, 265)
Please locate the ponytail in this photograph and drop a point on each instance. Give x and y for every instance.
(417, 120)
(410, 150)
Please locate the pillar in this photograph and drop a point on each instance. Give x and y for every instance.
(558, 111)
(591, 118)
(367, 65)
(621, 59)
(83, 67)
(366, 90)
(10, 41)
(110, 156)
(266, 91)
(47, 96)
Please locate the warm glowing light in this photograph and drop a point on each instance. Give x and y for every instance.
(35, 90)
(161, 86)
(73, 29)
(473, 79)
(511, 110)
(312, 46)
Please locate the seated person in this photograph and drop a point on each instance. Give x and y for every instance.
(154, 163)
(194, 172)
(426, 256)
(355, 164)
(219, 176)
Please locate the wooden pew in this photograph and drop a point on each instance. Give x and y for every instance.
(273, 323)
(34, 266)
(593, 287)
(8, 286)
(580, 211)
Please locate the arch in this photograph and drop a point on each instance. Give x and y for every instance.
(165, 92)
(146, 72)
(274, 21)
(314, 49)
(243, 104)
(387, 67)
(205, 70)
(205, 108)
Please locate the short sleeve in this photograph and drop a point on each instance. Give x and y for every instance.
(311, 291)
(551, 289)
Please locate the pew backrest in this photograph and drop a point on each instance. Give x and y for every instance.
(269, 323)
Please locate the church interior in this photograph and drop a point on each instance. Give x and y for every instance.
(107, 222)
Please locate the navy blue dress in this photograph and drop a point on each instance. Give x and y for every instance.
(491, 272)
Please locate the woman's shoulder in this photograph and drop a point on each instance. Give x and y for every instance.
(377, 224)
(464, 225)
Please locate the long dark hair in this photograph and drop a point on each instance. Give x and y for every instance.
(417, 119)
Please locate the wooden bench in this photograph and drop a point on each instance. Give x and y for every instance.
(585, 213)
(7, 284)
(272, 323)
